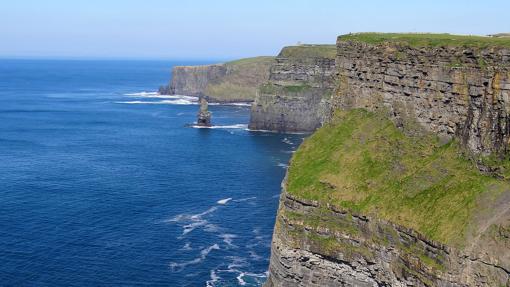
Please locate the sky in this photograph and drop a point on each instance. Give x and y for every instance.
(221, 29)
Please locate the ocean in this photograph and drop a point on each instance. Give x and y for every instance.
(103, 184)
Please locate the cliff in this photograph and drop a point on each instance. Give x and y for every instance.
(235, 81)
(295, 98)
(454, 87)
(407, 183)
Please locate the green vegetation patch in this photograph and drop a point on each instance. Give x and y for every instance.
(361, 162)
(309, 51)
(270, 88)
(242, 80)
(428, 40)
(263, 60)
(296, 88)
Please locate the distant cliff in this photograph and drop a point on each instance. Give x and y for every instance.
(407, 184)
(229, 82)
(295, 97)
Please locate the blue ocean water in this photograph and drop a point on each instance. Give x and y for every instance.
(103, 185)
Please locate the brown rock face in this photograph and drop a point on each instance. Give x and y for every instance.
(344, 249)
(452, 91)
(204, 116)
(193, 80)
(295, 99)
(235, 81)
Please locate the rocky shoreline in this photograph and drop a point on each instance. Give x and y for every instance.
(452, 89)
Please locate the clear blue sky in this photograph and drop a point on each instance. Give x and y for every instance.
(222, 29)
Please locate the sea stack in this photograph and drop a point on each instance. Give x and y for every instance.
(204, 116)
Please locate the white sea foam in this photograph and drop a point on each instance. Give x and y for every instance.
(255, 256)
(287, 141)
(238, 104)
(153, 95)
(245, 199)
(177, 267)
(237, 262)
(210, 210)
(142, 94)
(242, 282)
(194, 221)
(214, 278)
(226, 127)
(192, 226)
(274, 132)
(186, 247)
(167, 99)
(162, 102)
(240, 279)
(282, 165)
(179, 99)
(224, 201)
(228, 239)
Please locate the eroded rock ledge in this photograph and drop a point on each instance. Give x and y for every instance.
(296, 97)
(235, 81)
(407, 203)
(352, 250)
(461, 92)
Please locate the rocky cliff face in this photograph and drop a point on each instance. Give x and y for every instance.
(193, 80)
(235, 81)
(344, 249)
(295, 99)
(367, 203)
(452, 91)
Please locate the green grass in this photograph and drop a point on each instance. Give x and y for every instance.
(500, 165)
(428, 40)
(241, 84)
(296, 89)
(309, 51)
(361, 162)
(270, 88)
(251, 61)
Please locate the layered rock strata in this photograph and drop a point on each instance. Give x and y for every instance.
(459, 92)
(334, 231)
(295, 99)
(235, 81)
(356, 250)
(204, 116)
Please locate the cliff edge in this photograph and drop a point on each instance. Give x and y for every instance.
(407, 184)
(295, 98)
(235, 81)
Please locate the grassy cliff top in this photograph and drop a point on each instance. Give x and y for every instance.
(242, 81)
(254, 61)
(428, 40)
(361, 162)
(309, 51)
(264, 60)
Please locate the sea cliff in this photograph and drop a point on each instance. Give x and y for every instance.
(235, 81)
(454, 88)
(295, 98)
(406, 184)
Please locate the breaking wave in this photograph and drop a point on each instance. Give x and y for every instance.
(173, 100)
(226, 127)
(224, 201)
(162, 102)
(177, 267)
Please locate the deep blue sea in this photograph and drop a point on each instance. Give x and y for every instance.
(102, 183)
